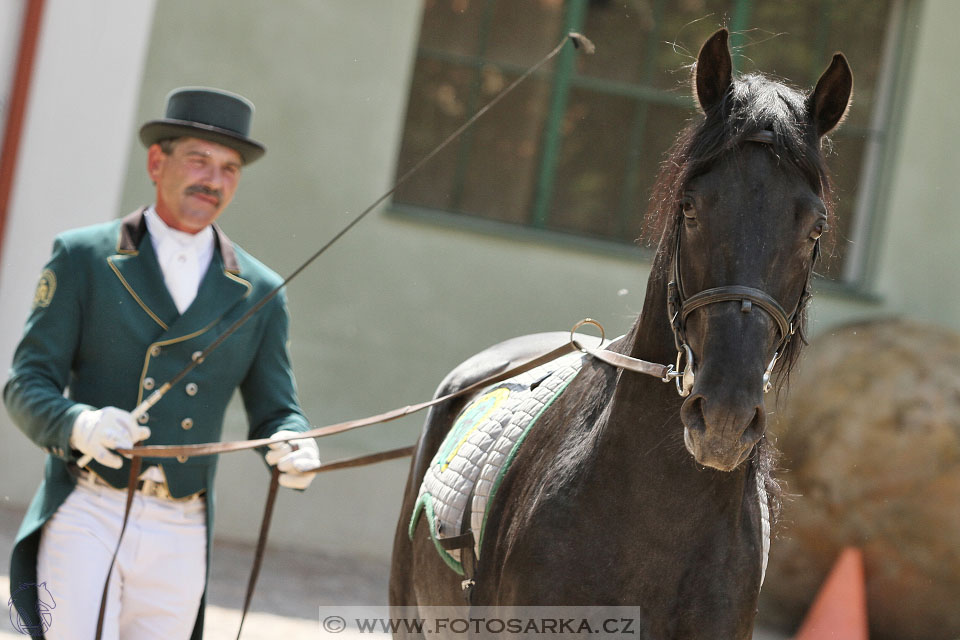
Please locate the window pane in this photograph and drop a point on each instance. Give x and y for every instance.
(592, 164)
(634, 46)
(452, 26)
(805, 35)
(523, 31)
(686, 25)
(607, 139)
(504, 150)
(616, 57)
(868, 19)
(438, 103)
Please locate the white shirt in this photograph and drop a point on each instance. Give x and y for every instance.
(184, 257)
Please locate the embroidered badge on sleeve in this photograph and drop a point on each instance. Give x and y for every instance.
(45, 289)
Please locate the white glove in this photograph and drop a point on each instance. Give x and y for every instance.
(96, 432)
(293, 458)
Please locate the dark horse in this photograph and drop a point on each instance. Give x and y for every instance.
(626, 493)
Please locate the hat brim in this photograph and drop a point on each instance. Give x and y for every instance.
(157, 130)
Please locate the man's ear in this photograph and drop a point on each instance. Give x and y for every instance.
(714, 71)
(155, 159)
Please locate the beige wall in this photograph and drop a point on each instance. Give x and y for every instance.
(917, 275)
(918, 237)
(380, 318)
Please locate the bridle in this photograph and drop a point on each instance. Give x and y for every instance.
(679, 307)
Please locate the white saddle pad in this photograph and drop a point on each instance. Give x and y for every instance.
(480, 447)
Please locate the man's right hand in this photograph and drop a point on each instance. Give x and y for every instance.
(96, 432)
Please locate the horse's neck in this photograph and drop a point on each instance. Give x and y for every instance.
(651, 338)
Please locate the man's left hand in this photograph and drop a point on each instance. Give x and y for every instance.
(295, 459)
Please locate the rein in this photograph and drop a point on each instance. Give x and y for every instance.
(664, 372)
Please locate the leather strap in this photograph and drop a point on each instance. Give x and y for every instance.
(131, 489)
(463, 541)
(264, 523)
(763, 136)
(734, 293)
(361, 461)
(261, 545)
(629, 363)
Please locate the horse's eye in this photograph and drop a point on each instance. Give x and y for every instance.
(689, 208)
(818, 229)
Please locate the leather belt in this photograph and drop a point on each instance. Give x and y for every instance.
(145, 487)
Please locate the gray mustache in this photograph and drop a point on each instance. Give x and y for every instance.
(197, 188)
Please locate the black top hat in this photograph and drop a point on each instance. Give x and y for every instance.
(210, 114)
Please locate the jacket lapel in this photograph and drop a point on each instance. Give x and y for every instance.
(136, 265)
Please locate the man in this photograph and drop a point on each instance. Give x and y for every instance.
(121, 308)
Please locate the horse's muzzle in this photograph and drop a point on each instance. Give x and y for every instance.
(720, 436)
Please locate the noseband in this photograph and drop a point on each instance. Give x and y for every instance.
(679, 307)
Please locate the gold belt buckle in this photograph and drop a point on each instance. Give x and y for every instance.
(155, 489)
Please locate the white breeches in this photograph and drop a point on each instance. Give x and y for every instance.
(157, 581)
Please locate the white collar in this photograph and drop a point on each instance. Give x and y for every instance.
(166, 238)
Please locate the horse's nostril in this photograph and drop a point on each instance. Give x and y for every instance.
(755, 429)
(692, 414)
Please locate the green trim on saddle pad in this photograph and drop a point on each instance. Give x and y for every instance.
(425, 503)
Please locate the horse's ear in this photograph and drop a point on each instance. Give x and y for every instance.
(714, 71)
(829, 101)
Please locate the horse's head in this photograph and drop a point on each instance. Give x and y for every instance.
(749, 205)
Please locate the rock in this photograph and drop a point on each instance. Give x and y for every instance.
(870, 435)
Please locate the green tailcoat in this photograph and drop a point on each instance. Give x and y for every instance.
(104, 326)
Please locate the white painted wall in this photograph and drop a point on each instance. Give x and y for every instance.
(11, 18)
(72, 160)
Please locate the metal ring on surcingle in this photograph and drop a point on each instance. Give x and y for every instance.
(573, 341)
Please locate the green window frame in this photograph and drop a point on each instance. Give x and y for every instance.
(643, 104)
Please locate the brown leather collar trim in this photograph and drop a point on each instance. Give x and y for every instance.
(133, 227)
(227, 252)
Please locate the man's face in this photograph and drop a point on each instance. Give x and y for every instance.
(195, 182)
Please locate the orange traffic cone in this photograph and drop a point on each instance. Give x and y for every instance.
(839, 611)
